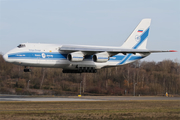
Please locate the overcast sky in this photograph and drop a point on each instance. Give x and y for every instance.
(90, 22)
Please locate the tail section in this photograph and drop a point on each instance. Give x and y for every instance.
(138, 38)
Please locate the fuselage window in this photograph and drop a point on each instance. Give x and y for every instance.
(21, 45)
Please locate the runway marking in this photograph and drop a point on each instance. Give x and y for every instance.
(84, 98)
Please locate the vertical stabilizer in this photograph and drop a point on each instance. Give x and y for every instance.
(138, 38)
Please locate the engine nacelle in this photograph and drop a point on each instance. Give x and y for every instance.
(101, 57)
(75, 56)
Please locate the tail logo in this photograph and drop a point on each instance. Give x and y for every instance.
(137, 38)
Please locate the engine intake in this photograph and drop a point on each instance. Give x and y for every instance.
(101, 57)
(75, 56)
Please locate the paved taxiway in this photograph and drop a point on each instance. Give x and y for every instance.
(83, 98)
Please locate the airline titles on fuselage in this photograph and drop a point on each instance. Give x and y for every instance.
(34, 50)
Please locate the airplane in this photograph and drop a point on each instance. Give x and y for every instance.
(83, 58)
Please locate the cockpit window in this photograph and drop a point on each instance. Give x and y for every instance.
(21, 45)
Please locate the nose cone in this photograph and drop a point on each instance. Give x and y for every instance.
(5, 57)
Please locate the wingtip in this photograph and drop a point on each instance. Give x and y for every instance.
(172, 51)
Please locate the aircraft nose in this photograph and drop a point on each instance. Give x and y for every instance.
(5, 57)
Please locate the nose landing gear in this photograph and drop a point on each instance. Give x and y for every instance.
(27, 69)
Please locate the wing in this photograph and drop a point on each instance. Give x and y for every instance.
(110, 50)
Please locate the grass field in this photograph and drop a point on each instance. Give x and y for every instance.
(107, 110)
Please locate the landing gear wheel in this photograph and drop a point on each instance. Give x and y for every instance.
(27, 70)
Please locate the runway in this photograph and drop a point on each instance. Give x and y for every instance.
(83, 98)
(29, 98)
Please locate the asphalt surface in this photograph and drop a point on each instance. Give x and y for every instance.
(83, 98)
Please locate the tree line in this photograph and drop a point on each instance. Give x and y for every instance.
(148, 78)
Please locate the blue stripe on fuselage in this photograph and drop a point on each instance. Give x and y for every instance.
(125, 59)
(59, 56)
(33, 55)
(40, 55)
(135, 58)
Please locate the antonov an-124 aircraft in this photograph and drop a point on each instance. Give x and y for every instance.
(83, 58)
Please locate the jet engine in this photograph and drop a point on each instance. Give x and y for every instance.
(75, 56)
(101, 57)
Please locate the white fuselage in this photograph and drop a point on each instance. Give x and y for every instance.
(49, 55)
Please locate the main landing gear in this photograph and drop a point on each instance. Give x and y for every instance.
(81, 70)
(27, 69)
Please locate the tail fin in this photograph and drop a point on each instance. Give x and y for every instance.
(138, 38)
